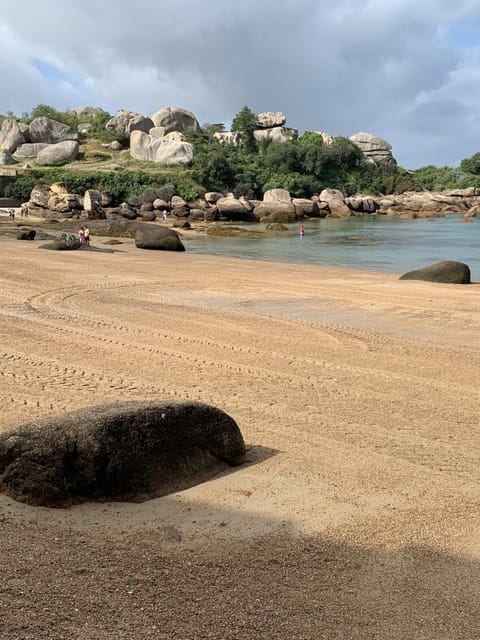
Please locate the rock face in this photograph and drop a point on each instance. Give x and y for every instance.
(447, 271)
(11, 136)
(127, 451)
(161, 150)
(45, 129)
(158, 238)
(60, 153)
(176, 119)
(127, 121)
(374, 148)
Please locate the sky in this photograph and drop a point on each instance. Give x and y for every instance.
(405, 70)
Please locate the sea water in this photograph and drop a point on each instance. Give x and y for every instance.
(373, 243)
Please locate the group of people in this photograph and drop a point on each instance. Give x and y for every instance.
(23, 213)
(84, 235)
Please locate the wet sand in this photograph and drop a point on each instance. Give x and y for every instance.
(356, 515)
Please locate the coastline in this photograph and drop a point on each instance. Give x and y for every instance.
(357, 396)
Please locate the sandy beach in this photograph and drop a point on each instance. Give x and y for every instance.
(357, 512)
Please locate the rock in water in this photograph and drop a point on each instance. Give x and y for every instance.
(127, 451)
(159, 238)
(447, 271)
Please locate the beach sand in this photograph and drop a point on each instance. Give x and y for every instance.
(357, 512)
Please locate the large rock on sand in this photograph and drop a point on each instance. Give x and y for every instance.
(62, 244)
(127, 451)
(447, 271)
(159, 238)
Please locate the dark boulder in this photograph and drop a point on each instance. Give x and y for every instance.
(62, 244)
(447, 271)
(129, 451)
(181, 224)
(158, 238)
(26, 234)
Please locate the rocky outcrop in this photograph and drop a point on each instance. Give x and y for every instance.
(326, 137)
(124, 122)
(46, 201)
(128, 451)
(276, 207)
(304, 207)
(160, 150)
(158, 238)
(234, 209)
(30, 149)
(83, 114)
(446, 271)
(176, 119)
(270, 119)
(11, 136)
(277, 134)
(228, 137)
(362, 204)
(92, 204)
(60, 153)
(373, 147)
(39, 195)
(45, 129)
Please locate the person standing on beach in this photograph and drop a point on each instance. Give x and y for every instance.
(86, 235)
(164, 215)
(81, 235)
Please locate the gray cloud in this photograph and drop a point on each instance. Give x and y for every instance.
(405, 70)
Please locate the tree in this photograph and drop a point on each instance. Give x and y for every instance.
(471, 165)
(60, 116)
(245, 122)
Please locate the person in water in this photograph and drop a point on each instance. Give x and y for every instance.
(302, 230)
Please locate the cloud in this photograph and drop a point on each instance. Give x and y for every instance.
(405, 70)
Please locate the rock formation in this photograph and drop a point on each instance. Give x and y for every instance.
(126, 451)
(124, 122)
(51, 131)
(162, 150)
(373, 147)
(270, 119)
(60, 153)
(447, 271)
(10, 135)
(158, 238)
(176, 119)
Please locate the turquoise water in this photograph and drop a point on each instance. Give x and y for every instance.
(382, 243)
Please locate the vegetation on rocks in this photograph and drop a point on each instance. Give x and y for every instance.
(303, 166)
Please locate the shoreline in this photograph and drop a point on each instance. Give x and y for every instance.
(317, 246)
(357, 397)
